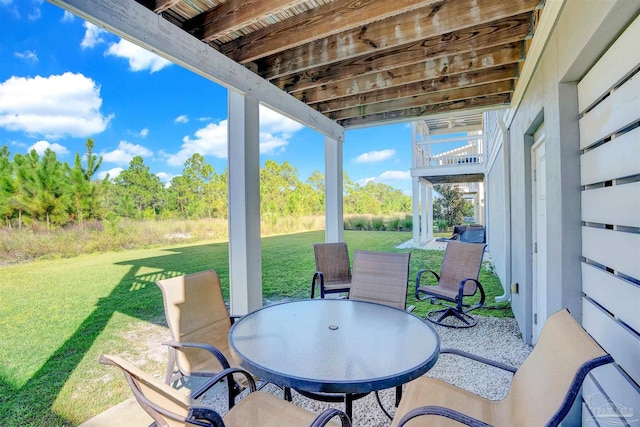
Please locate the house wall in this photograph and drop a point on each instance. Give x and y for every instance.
(600, 298)
(551, 97)
(496, 208)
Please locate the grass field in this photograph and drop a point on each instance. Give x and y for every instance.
(58, 316)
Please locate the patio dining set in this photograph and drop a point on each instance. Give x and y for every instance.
(342, 347)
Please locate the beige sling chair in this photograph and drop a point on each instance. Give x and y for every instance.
(199, 323)
(382, 278)
(171, 408)
(333, 271)
(457, 281)
(542, 391)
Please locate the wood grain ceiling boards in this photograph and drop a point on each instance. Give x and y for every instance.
(366, 62)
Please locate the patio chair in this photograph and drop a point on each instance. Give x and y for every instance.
(168, 407)
(199, 324)
(333, 271)
(542, 390)
(458, 280)
(380, 277)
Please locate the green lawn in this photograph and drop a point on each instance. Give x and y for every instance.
(58, 316)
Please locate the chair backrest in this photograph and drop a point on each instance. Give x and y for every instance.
(196, 312)
(167, 406)
(546, 384)
(461, 261)
(380, 277)
(332, 259)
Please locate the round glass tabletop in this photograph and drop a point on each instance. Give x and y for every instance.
(334, 346)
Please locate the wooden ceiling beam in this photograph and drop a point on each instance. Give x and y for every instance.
(431, 69)
(428, 99)
(328, 19)
(469, 39)
(416, 112)
(319, 44)
(233, 15)
(162, 5)
(450, 82)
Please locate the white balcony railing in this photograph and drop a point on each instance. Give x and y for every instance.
(456, 151)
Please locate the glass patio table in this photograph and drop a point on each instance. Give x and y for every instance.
(328, 346)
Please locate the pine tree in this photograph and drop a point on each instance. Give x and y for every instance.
(7, 187)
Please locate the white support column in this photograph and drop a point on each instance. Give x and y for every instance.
(245, 258)
(334, 221)
(429, 212)
(416, 213)
(424, 230)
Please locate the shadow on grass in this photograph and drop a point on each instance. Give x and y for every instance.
(136, 295)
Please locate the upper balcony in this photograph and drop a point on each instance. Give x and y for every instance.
(449, 150)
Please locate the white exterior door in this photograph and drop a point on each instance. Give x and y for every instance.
(539, 205)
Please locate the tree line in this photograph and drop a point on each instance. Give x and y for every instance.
(38, 190)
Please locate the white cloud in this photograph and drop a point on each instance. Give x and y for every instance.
(181, 119)
(54, 106)
(205, 119)
(143, 133)
(388, 177)
(93, 35)
(27, 56)
(112, 173)
(394, 176)
(125, 152)
(375, 156)
(35, 13)
(210, 140)
(275, 132)
(365, 181)
(165, 177)
(272, 144)
(139, 59)
(67, 17)
(275, 123)
(41, 147)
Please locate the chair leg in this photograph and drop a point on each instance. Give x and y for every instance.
(287, 394)
(467, 320)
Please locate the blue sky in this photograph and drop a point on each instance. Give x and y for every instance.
(63, 80)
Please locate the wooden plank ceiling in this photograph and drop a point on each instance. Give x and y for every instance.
(366, 62)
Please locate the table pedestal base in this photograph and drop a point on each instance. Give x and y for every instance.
(347, 398)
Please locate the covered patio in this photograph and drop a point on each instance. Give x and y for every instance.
(336, 65)
(354, 64)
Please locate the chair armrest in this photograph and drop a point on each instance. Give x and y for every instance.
(229, 373)
(328, 414)
(442, 412)
(211, 349)
(419, 277)
(479, 359)
(198, 414)
(463, 282)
